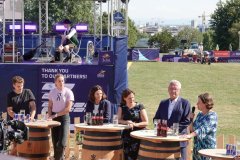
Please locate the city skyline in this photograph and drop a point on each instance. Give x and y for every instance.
(172, 12)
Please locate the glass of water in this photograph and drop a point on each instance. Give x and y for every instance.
(175, 129)
(22, 111)
(155, 123)
(115, 120)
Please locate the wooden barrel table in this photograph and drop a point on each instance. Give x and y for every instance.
(102, 142)
(216, 154)
(153, 147)
(37, 147)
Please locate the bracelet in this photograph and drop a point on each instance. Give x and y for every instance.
(55, 115)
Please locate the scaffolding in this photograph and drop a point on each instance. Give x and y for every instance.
(2, 27)
(43, 19)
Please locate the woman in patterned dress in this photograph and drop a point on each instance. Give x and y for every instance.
(204, 128)
(133, 114)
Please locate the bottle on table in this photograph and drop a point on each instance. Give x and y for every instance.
(101, 118)
(93, 119)
(159, 126)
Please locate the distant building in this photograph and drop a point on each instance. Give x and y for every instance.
(194, 23)
(150, 29)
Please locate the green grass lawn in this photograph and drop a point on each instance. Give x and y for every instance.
(150, 80)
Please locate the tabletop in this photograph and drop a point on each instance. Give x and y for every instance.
(104, 127)
(9, 157)
(151, 136)
(219, 154)
(43, 124)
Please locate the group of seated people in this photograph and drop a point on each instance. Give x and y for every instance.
(174, 109)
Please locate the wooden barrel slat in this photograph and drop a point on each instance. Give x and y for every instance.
(102, 145)
(163, 150)
(100, 138)
(159, 148)
(149, 158)
(106, 143)
(37, 147)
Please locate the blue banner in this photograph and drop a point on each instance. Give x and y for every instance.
(106, 58)
(40, 79)
(145, 54)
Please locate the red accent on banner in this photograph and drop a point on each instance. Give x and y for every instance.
(221, 53)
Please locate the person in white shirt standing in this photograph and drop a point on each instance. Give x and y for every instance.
(59, 105)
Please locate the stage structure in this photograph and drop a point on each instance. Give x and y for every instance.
(43, 20)
(117, 21)
(2, 25)
(11, 11)
(117, 11)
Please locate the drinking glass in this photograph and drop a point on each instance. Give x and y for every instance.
(115, 120)
(155, 123)
(176, 129)
(22, 111)
(88, 118)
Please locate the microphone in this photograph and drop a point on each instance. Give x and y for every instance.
(193, 110)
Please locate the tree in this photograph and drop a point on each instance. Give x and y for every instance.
(132, 33)
(164, 39)
(233, 31)
(208, 41)
(190, 35)
(222, 19)
(81, 11)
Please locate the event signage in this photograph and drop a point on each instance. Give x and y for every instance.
(221, 53)
(78, 79)
(145, 54)
(235, 54)
(106, 58)
(118, 17)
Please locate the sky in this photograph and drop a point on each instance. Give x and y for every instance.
(167, 12)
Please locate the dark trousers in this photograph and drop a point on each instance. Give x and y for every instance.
(59, 136)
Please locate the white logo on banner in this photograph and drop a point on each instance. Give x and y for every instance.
(48, 86)
(101, 74)
(78, 107)
(45, 96)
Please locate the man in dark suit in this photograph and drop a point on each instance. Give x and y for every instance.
(175, 110)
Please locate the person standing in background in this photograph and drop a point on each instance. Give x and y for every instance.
(59, 105)
(20, 99)
(175, 109)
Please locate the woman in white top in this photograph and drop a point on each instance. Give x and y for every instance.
(59, 105)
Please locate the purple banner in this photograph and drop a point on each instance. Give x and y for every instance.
(149, 54)
(106, 58)
(228, 59)
(235, 54)
(40, 79)
(168, 58)
(79, 79)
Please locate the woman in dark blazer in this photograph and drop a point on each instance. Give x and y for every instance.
(98, 102)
